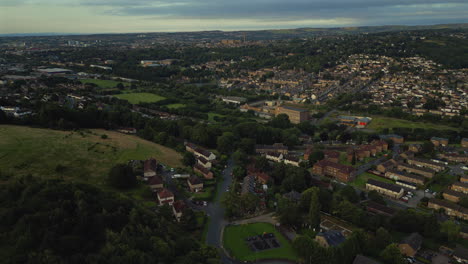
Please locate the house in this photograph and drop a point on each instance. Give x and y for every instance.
(426, 164)
(454, 157)
(428, 173)
(338, 171)
(200, 152)
(464, 179)
(204, 162)
(360, 259)
(277, 148)
(415, 148)
(407, 185)
(296, 115)
(165, 197)
(150, 167)
(464, 142)
(407, 154)
(453, 196)
(460, 254)
(451, 209)
(248, 184)
(195, 184)
(273, 156)
(207, 174)
(403, 176)
(437, 141)
(410, 245)
(331, 155)
(262, 177)
(307, 153)
(292, 160)
(380, 209)
(388, 189)
(177, 209)
(384, 166)
(155, 183)
(330, 238)
(460, 187)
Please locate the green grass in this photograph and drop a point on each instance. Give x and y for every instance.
(361, 180)
(234, 242)
(104, 83)
(211, 116)
(136, 98)
(175, 106)
(83, 155)
(441, 181)
(206, 195)
(378, 123)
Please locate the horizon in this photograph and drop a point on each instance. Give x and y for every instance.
(45, 34)
(139, 16)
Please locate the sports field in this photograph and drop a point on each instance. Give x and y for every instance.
(80, 155)
(136, 98)
(234, 241)
(378, 123)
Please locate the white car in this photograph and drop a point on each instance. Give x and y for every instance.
(464, 168)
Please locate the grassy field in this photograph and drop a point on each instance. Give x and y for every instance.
(104, 83)
(175, 106)
(211, 116)
(234, 242)
(361, 180)
(136, 98)
(379, 123)
(77, 155)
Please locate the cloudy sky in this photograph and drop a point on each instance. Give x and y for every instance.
(106, 16)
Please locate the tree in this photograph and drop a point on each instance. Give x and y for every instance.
(450, 229)
(121, 176)
(376, 197)
(188, 159)
(382, 238)
(314, 209)
(349, 193)
(316, 156)
(464, 202)
(120, 86)
(225, 142)
(392, 255)
(281, 121)
(353, 160)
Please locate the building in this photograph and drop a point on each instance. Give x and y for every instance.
(54, 71)
(333, 156)
(437, 141)
(464, 179)
(410, 245)
(460, 187)
(397, 139)
(451, 209)
(248, 184)
(165, 197)
(276, 148)
(127, 130)
(454, 157)
(178, 208)
(291, 160)
(387, 189)
(464, 142)
(453, 196)
(354, 121)
(330, 238)
(387, 165)
(426, 164)
(415, 148)
(274, 156)
(338, 171)
(195, 184)
(233, 99)
(406, 177)
(460, 254)
(200, 152)
(360, 259)
(307, 153)
(207, 174)
(428, 173)
(261, 177)
(150, 167)
(296, 115)
(155, 183)
(380, 209)
(407, 185)
(204, 162)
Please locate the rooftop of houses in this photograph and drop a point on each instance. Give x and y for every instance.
(414, 240)
(333, 237)
(384, 185)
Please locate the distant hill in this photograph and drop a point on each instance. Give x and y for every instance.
(265, 34)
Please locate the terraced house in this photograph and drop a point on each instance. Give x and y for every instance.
(387, 189)
(338, 171)
(450, 208)
(426, 164)
(403, 176)
(428, 173)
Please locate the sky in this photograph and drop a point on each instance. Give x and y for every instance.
(121, 16)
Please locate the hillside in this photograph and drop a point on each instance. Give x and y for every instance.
(78, 154)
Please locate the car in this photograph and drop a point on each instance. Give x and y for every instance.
(205, 203)
(410, 193)
(427, 190)
(172, 169)
(434, 193)
(464, 168)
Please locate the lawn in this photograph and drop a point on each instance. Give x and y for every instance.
(234, 241)
(378, 123)
(361, 180)
(211, 116)
(136, 98)
(175, 106)
(104, 83)
(80, 155)
(206, 195)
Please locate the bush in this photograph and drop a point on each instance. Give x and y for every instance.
(121, 177)
(104, 136)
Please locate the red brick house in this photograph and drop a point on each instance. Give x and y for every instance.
(150, 167)
(165, 197)
(207, 174)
